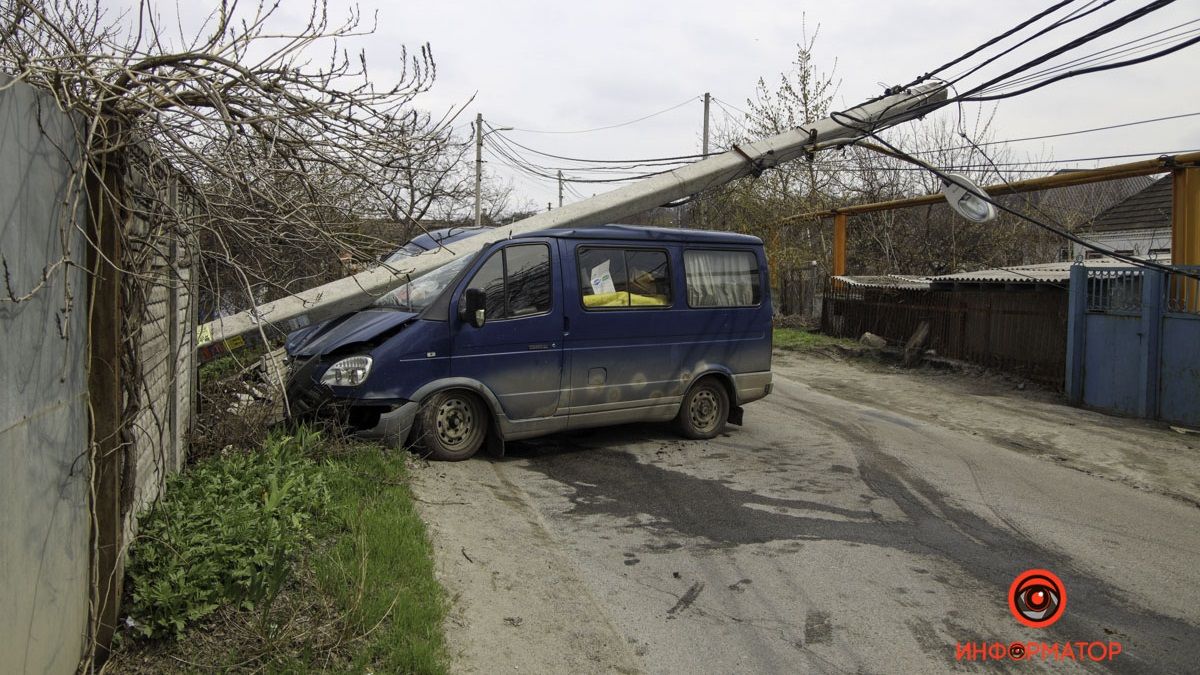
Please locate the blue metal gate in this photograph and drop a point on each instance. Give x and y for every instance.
(1133, 342)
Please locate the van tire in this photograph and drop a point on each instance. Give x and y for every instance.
(704, 410)
(451, 426)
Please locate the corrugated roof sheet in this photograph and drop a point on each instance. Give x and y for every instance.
(1144, 210)
(1042, 273)
(885, 281)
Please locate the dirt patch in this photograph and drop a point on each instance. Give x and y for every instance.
(1012, 412)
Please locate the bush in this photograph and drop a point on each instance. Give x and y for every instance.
(226, 531)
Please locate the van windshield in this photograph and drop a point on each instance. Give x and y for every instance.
(417, 294)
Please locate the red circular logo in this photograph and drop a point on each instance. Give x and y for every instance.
(1037, 598)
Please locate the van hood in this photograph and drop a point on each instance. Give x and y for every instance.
(327, 336)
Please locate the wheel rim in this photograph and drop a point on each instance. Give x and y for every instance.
(456, 423)
(705, 410)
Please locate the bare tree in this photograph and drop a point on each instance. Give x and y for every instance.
(801, 97)
(281, 147)
(920, 240)
(278, 139)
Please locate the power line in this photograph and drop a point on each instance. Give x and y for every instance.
(1012, 31)
(1061, 134)
(1050, 227)
(1062, 49)
(599, 161)
(614, 126)
(1084, 71)
(1132, 46)
(520, 164)
(971, 94)
(515, 155)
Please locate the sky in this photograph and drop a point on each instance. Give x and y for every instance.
(570, 66)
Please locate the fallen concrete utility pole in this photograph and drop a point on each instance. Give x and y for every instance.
(358, 291)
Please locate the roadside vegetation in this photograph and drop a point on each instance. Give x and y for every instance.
(800, 340)
(302, 554)
(230, 364)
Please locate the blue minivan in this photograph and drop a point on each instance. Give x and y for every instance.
(545, 332)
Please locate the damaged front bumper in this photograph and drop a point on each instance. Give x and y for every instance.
(310, 401)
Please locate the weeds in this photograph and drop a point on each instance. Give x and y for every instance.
(231, 364)
(347, 584)
(225, 532)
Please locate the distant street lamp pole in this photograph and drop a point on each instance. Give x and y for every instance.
(479, 166)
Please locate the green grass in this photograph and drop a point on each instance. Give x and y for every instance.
(301, 556)
(384, 551)
(794, 339)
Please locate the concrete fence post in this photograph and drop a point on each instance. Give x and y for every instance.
(1076, 329)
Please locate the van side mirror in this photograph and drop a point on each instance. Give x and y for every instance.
(471, 307)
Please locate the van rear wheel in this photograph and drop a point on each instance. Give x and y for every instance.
(451, 426)
(704, 411)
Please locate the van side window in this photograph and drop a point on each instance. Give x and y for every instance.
(624, 278)
(516, 281)
(527, 278)
(490, 278)
(721, 278)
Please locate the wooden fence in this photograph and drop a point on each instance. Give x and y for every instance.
(1022, 331)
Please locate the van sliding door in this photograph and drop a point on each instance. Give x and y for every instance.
(619, 303)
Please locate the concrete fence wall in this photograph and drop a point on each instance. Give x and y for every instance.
(44, 471)
(165, 337)
(46, 480)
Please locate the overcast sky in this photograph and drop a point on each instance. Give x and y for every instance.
(562, 66)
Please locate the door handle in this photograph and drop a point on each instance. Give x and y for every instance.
(566, 325)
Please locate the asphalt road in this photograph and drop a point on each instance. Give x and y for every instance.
(832, 536)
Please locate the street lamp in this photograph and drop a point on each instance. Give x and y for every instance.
(479, 165)
(965, 197)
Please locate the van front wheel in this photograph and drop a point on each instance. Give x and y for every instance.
(704, 411)
(451, 426)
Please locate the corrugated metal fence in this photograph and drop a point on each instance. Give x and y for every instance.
(1022, 331)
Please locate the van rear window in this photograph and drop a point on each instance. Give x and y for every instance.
(619, 278)
(721, 278)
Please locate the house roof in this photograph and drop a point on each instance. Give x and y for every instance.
(1089, 199)
(1147, 209)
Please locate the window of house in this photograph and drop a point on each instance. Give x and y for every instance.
(516, 281)
(721, 278)
(624, 278)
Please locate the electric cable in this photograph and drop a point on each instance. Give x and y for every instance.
(598, 161)
(1053, 228)
(614, 126)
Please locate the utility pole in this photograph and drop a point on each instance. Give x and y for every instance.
(704, 151)
(560, 188)
(478, 168)
(351, 293)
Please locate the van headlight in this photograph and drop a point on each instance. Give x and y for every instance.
(349, 372)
